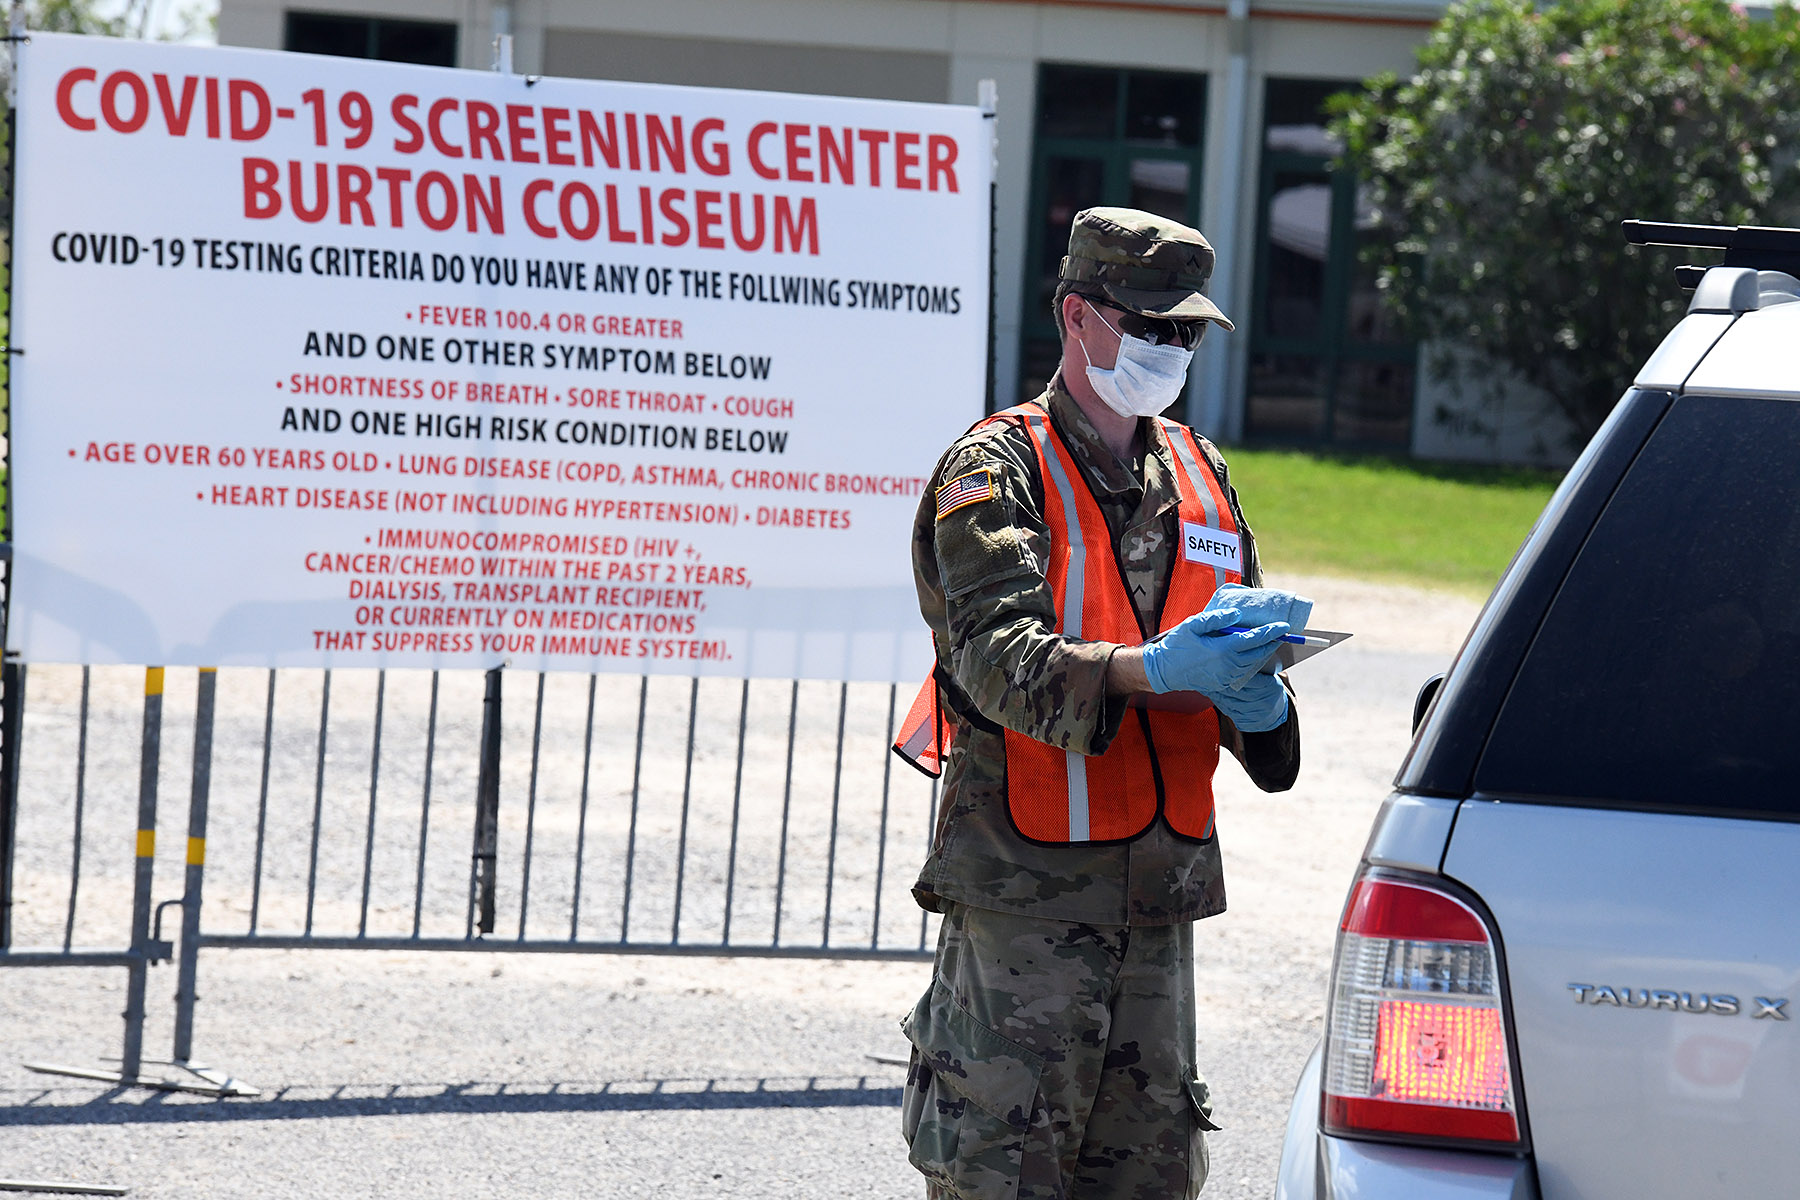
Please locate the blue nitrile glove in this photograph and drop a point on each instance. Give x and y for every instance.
(1260, 705)
(1260, 606)
(1195, 657)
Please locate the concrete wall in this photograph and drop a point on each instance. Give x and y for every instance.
(1463, 411)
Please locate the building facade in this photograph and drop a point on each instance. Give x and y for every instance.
(1203, 110)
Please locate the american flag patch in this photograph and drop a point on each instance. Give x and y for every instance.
(965, 490)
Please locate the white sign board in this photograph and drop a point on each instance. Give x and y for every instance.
(325, 362)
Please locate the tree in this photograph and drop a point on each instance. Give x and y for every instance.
(81, 16)
(1504, 165)
(137, 19)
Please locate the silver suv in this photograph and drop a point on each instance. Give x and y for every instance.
(1569, 964)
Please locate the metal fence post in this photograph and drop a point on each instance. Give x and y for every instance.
(487, 812)
(147, 946)
(189, 963)
(211, 1082)
(142, 949)
(81, 756)
(12, 708)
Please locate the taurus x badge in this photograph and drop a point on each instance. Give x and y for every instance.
(1716, 1003)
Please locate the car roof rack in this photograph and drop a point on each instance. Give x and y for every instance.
(1760, 247)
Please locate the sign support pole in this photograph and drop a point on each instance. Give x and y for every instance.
(487, 786)
(12, 709)
(988, 93)
(12, 675)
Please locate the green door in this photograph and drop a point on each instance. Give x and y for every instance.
(1327, 364)
(1104, 137)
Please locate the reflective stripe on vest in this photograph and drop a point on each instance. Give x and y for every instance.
(1191, 587)
(925, 734)
(1068, 583)
(1161, 759)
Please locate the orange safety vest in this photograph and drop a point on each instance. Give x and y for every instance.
(1161, 760)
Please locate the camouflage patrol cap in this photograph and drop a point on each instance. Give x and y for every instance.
(1143, 263)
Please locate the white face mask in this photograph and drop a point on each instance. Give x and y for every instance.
(1145, 380)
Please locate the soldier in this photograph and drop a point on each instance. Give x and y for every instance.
(1088, 578)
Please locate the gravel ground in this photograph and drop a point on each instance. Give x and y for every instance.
(606, 1074)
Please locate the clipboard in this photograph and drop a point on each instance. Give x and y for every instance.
(1290, 653)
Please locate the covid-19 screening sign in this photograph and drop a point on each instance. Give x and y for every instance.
(338, 363)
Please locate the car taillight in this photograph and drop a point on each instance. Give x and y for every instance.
(1416, 1041)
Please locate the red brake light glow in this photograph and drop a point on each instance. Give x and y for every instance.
(1416, 1042)
(1438, 1054)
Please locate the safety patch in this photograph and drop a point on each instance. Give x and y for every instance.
(1214, 547)
(965, 490)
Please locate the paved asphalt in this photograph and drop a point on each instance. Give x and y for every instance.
(606, 1075)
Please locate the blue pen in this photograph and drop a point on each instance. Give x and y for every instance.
(1292, 638)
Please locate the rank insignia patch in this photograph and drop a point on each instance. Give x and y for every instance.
(965, 490)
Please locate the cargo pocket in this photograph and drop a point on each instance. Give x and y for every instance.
(1200, 1108)
(1201, 1097)
(969, 1100)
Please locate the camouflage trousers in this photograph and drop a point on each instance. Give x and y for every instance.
(1055, 1061)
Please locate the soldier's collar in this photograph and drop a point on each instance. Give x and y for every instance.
(1159, 466)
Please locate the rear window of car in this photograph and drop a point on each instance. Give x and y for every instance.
(1667, 670)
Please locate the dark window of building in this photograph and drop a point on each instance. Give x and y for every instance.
(1078, 102)
(1104, 136)
(429, 43)
(1164, 109)
(728, 63)
(1326, 362)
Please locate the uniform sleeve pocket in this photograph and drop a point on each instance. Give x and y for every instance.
(978, 538)
(969, 1099)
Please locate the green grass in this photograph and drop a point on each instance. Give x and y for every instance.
(1432, 524)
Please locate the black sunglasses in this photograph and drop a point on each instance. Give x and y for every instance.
(1158, 331)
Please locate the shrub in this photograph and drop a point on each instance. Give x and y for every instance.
(1504, 165)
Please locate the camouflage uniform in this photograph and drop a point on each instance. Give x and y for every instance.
(1054, 1054)
(1056, 1059)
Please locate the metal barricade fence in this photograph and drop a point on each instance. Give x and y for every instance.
(329, 811)
(424, 810)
